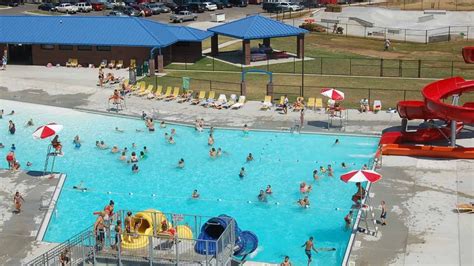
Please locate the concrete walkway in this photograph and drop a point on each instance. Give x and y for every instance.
(18, 231)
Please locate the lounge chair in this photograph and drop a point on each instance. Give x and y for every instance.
(147, 91)
(232, 101)
(69, 62)
(377, 106)
(111, 64)
(240, 103)
(186, 96)
(201, 97)
(280, 104)
(158, 92)
(133, 63)
(137, 86)
(119, 64)
(267, 103)
(465, 207)
(210, 99)
(139, 89)
(174, 95)
(299, 104)
(319, 103)
(74, 62)
(220, 102)
(311, 103)
(103, 64)
(167, 94)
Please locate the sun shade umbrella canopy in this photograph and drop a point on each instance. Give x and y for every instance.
(361, 176)
(333, 94)
(47, 131)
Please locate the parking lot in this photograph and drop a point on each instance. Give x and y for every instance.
(230, 13)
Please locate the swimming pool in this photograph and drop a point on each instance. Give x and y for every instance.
(282, 160)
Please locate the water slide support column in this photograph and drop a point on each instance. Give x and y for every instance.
(453, 122)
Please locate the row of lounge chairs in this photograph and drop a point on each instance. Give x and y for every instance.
(299, 104)
(142, 90)
(73, 62)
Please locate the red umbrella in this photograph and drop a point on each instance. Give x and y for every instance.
(47, 131)
(333, 94)
(361, 176)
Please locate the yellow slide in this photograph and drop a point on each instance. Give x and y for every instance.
(184, 231)
(145, 230)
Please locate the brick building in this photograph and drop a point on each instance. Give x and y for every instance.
(39, 40)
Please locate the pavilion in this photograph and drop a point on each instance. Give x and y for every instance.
(256, 27)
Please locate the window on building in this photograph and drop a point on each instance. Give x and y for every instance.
(65, 47)
(104, 48)
(47, 47)
(84, 48)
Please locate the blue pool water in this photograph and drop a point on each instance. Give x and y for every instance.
(282, 160)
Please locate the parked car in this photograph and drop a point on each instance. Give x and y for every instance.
(287, 6)
(182, 8)
(84, 7)
(127, 10)
(209, 6)
(116, 14)
(98, 6)
(109, 5)
(157, 8)
(144, 11)
(239, 3)
(183, 16)
(66, 8)
(47, 7)
(218, 4)
(197, 7)
(171, 5)
(271, 7)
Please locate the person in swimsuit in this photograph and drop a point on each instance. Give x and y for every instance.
(211, 130)
(383, 214)
(162, 124)
(181, 163)
(116, 97)
(118, 235)
(285, 105)
(286, 262)
(171, 140)
(304, 202)
(212, 153)
(114, 149)
(242, 173)
(336, 141)
(123, 157)
(109, 209)
(365, 167)
(173, 132)
(303, 187)
(210, 140)
(56, 144)
(343, 165)
(143, 155)
(135, 168)
(359, 195)
(11, 127)
(308, 246)
(348, 219)
(80, 187)
(195, 194)
(150, 125)
(133, 158)
(219, 152)
(99, 230)
(2, 146)
(77, 141)
(128, 225)
(12, 112)
(10, 159)
(262, 197)
(101, 77)
(17, 200)
(13, 148)
(30, 123)
(119, 130)
(250, 157)
(315, 175)
(145, 150)
(64, 257)
(269, 190)
(246, 129)
(330, 170)
(322, 169)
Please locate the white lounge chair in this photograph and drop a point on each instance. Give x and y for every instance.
(232, 101)
(267, 103)
(240, 103)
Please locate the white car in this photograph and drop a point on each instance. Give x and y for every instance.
(67, 8)
(286, 6)
(84, 7)
(209, 6)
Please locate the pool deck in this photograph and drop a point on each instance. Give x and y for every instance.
(420, 193)
(18, 232)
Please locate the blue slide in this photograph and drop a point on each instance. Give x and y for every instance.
(246, 242)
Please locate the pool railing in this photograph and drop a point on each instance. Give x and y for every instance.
(157, 248)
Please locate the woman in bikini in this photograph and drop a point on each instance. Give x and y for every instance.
(17, 200)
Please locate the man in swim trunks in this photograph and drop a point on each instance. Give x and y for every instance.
(195, 194)
(99, 230)
(359, 195)
(348, 218)
(286, 262)
(128, 225)
(308, 246)
(262, 197)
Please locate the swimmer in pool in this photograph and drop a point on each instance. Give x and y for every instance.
(97, 144)
(343, 165)
(114, 149)
(246, 129)
(30, 123)
(76, 140)
(304, 202)
(119, 130)
(303, 187)
(134, 158)
(309, 188)
(125, 150)
(142, 155)
(250, 157)
(262, 197)
(195, 194)
(80, 187)
(330, 170)
(269, 190)
(138, 130)
(173, 132)
(212, 153)
(171, 140)
(135, 168)
(2, 146)
(181, 163)
(315, 175)
(365, 167)
(219, 152)
(167, 136)
(145, 150)
(134, 146)
(242, 172)
(348, 219)
(28, 164)
(162, 124)
(123, 157)
(13, 148)
(322, 169)
(211, 130)
(12, 112)
(210, 140)
(336, 142)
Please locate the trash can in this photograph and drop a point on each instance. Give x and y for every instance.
(145, 68)
(132, 76)
(139, 70)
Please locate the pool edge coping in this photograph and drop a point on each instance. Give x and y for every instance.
(51, 207)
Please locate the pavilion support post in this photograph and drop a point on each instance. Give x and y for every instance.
(215, 45)
(151, 67)
(300, 46)
(246, 50)
(266, 42)
(160, 64)
(270, 89)
(243, 88)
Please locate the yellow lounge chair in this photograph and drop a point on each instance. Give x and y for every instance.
(133, 63)
(267, 103)
(103, 64)
(147, 91)
(201, 97)
(74, 63)
(210, 98)
(112, 64)
(182, 99)
(119, 64)
(465, 207)
(69, 62)
(136, 86)
(319, 103)
(280, 104)
(139, 89)
(174, 95)
(311, 103)
(167, 94)
(158, 92)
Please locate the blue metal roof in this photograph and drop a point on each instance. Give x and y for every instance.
(107, 31)
(256, 27)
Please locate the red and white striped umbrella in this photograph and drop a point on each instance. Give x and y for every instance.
(47, 131)
(333, 94)
(361, 176)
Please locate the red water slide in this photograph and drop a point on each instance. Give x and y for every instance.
(434, 108)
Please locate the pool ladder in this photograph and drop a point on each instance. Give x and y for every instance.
(50, 153)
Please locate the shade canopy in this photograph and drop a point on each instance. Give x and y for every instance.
(47, 131)
(361, 176)
(333, 94)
